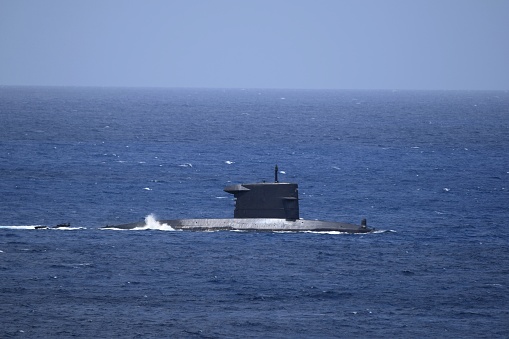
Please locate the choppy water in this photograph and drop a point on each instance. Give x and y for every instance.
(429, 170)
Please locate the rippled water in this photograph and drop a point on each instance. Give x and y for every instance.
(429, 170)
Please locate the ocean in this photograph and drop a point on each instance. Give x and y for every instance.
(429, 170)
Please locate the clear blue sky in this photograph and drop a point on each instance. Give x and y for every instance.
(343, 44)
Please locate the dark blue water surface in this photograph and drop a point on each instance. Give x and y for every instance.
(429, 170)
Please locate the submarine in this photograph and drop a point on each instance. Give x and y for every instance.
(270, 207)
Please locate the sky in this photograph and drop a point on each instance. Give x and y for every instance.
(301, 44)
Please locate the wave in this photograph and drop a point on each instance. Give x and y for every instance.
(37, 227)
(151, 223)
(24, 227)
(383, 231)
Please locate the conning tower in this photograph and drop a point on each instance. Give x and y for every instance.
(266, 200)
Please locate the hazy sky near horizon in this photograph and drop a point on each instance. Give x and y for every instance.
(315, 44)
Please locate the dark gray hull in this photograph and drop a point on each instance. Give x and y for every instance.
(253, 224)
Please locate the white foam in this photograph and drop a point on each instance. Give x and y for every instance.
(326, 232)
(67, 228)
(383, 231)
(151, 223)
(33, 227)
(25, 227)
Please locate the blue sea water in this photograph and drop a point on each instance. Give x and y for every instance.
(428, 169)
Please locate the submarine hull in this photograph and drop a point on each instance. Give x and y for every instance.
(270, 207)
(254, 224)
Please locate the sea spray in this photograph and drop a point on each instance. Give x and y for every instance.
(151, 223)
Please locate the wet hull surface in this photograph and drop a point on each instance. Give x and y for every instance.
(261, 224)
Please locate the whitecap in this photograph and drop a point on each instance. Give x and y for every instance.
(67, 228)
(326, 232)
(21, 227)
(33, 227)
(151, 223)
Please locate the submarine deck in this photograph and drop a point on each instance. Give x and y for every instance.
(253, 224)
